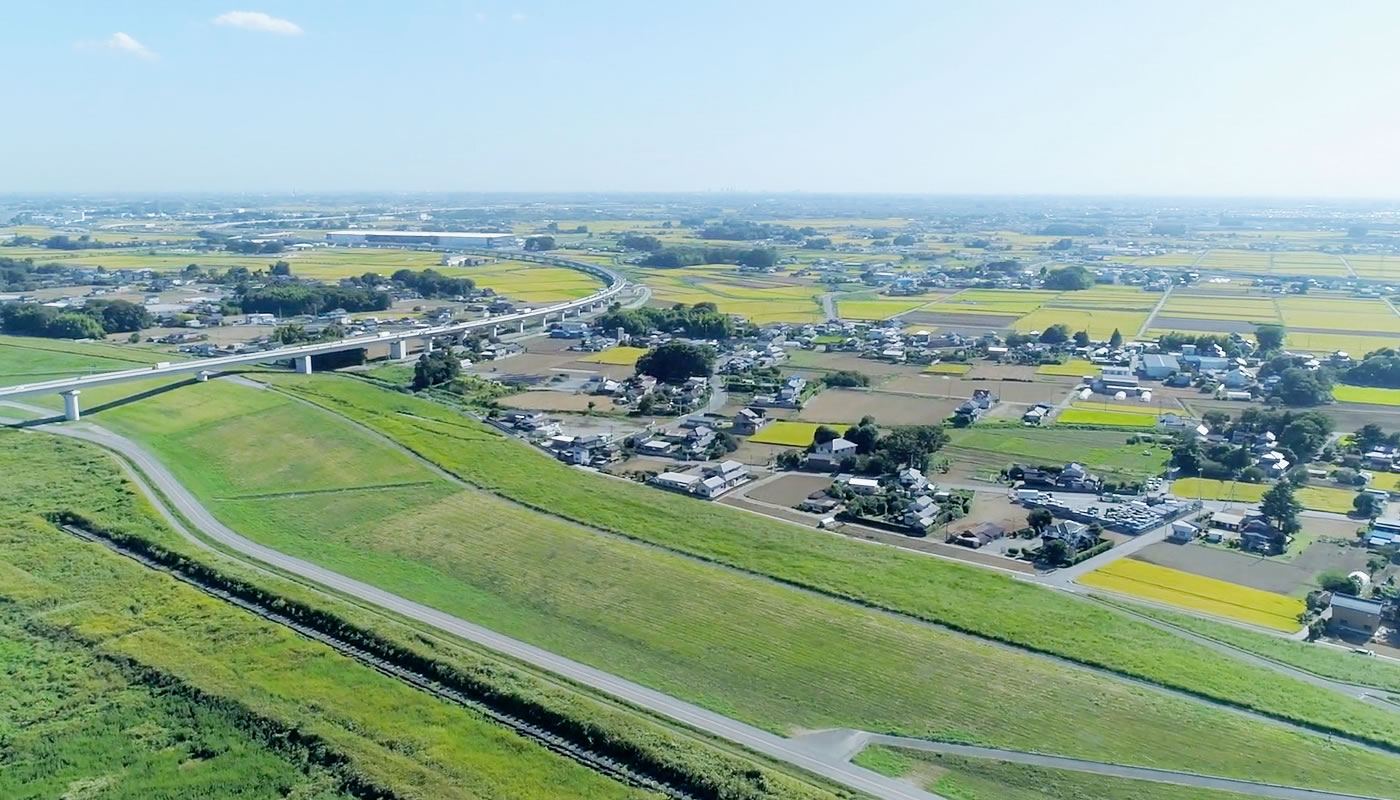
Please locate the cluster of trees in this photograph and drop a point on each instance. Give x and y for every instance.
(746, 231)
(427, 282)
(1378, 368)
(673, 362)
(297, 334)
(673, 257)
(93, 321)
(1299, 435)
(1069, 278)
(650, 244)
(540, 243)
(700, 321)
(1202, 341)
(253, 248)
(1297, 385)
(285, 299)
(880, 452)
(847, 378)
(435, 368)
(18, 275)
(1071, 229)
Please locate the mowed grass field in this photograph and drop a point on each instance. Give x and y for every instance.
(1196, 592)
(32, 359)
(738, 643)
(617, 356)
(1097, 414)
(786, 432)
(987, 604)
(1317, 498)
(1370, 395)
(1106, 452)
(94, 740)
(960, 778)
(1073, 368)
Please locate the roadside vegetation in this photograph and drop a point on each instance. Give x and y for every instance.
(959, 778)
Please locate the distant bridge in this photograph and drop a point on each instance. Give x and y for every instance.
(300, 355)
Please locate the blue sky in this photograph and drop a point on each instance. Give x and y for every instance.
(1222, 98)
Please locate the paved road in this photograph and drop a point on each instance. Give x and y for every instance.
(771, 745)
(829, 307)
(1147, 323)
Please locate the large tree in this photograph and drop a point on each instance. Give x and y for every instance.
(1075, 277)
(435, 368)
(1270, 337)
(673, 362)
(1281, 508)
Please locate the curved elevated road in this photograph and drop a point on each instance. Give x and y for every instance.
(826, 754)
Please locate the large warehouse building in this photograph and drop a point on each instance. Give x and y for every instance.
(428, 238)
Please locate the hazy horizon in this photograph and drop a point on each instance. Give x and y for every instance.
(1082, 100)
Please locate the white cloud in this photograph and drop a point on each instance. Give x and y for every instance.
(121, 43)
(258, 21)
(518, 17)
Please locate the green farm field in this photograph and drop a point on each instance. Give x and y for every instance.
(761, 298)
(31, 359)
(961, 778)
(1073, 368)
(988, 604)
(737, 643)
(1096, 414)
(1369, 395)
(1105, 452)
(100, 606)
(786, 432)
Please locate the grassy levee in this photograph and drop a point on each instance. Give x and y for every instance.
(965, 598)
(741, 644)
(408, 741)
(78, 725)
(1328, 662)
(30, 359)
(959, 778)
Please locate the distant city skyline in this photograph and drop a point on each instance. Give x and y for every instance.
(1181, 99)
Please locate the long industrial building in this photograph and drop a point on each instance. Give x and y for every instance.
(429, 238)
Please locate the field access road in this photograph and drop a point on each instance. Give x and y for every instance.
(794, 753)
(1147, 323)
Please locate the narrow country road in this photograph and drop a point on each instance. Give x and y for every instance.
(1147, 323)
(822, 754)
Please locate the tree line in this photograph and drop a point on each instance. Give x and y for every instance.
(673, 257)
(700, 321)
(94, 320)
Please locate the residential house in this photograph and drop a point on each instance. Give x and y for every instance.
(1074, 477)
(979, 535)
(973, 408)
(1258, 536)
(921, 516)
(730, 472)
(749, 421)
(1075, 534)
(1356, 615)
(1183, 532)
(830, 453)
(1227, 521)
(913, 480)
(1036, 414)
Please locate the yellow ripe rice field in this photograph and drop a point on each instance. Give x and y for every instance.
(1097, 414)
(1100, 324)
(1317, 498)
(617, 356)
(786, 432)
(1198, 593)
(948, 369)
(760, 298)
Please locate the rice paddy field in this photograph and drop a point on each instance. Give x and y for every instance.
(1375, 266)
(1370, 395)
(1096, 414)
(1105, 452)
(786, 432)
(1317, 498)
(617, 356)
(1355, 345)
(948, 369)
(732, 640)
(532, 283)
(880, 308)
(760, 298)
(1218, 598)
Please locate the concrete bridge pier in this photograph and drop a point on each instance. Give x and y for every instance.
(521, 329)
(203, 376)
(495, 331)
(303, 364)
(71, 412)
(427, 345)
(398, 350)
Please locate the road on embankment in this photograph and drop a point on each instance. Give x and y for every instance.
(815, 755)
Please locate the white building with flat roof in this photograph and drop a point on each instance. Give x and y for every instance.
(370, 236)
